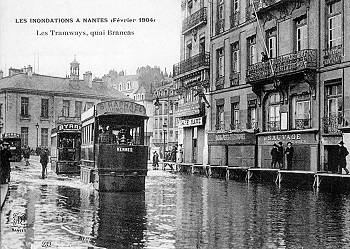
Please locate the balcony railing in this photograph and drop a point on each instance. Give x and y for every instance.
(332, 56)
(234, 19)
(192, 63)
(262, 4)
(283, 65)
(273, 126)
(234, 78)
(220, 126)
(219, 27)
(194, 20)
(252, 125)
(301, 124)
(332, 124)
(220, 82)
(235, 126)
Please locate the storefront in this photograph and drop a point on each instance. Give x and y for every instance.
(235, 149)
(305, 144)
(193, 139)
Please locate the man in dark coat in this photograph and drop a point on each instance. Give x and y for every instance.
(5, 162)
(155, 160)
(280, 155)
(26, 154)
(44, 160)
(342, 153)
(274, 156)
(289, 155)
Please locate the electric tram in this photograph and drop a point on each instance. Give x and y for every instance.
(14, 140)
(65, 146)
(113, 154)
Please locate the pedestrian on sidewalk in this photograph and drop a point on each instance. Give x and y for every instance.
(280, 155)
(155, 160)
(5, 162)
(342, 153)
(289, 155)
(26, 154)
(274, 156)
(180, 154)
(44, 160)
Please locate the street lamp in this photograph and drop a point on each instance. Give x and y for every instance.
(37, 134)
(164, 132)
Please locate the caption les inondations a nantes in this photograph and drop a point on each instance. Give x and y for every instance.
(116, 30)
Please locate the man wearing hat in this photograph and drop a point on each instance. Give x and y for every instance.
(342, 153)
(155, 160)
(280, 155)
(274, 156)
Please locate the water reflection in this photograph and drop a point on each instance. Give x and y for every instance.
(176, 211)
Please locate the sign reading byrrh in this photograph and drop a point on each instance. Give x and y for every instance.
(69, 127)
(191, 122)
(120, 107)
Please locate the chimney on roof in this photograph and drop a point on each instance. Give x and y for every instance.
(88, 78)
(1, 74)
(29, 70)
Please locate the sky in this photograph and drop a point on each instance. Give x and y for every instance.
(24, 43)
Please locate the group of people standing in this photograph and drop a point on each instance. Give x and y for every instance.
(175, 155)
(278, 153)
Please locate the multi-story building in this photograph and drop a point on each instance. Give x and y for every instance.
(31, 103)
(165, 132)
(191, 76)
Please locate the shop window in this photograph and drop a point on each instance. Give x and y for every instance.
(301, 34)
(301, 107)
(273, 113)
(235, 124)
(334, 25)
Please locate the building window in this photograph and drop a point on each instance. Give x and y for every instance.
(271, 42)
(88, 105)
(24, 135)
(252, 58)
(44, 108)
(24, 106)
(44, 137)
(334, 24)
(120, 87)
(1, 115)
(301, 34)
(171, 123)
(235, 57)
(301, 111)
(188, 50)
(202, 45)
(235, 116)
(78, 108)
(235, 6)
(65, 109)
(220, 117)
(334, 103)
(129, 85)
(273, 112)
(220, 62)
(160, 109)
(176, 135)
(155, 134)
(252, 118)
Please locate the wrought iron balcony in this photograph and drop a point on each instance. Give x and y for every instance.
(234, 78)
(301, 124)
(332, 123)
(332, 56)
(235, 126)
(252, 125)
(220, 126)
(264, 4)
(283, 65)
(234, 19)
(220, 82)
(197, 18)
(273, 126)
(220, 26)
(192, 63)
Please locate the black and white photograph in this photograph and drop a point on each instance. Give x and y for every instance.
(175, 124)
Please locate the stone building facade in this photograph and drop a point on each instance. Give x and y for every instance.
(31, 103)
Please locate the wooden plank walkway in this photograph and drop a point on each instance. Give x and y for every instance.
(319, 176)
(3, 193)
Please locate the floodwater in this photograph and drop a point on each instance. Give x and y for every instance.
(175, 211)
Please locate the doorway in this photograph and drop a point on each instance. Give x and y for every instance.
(331, 158)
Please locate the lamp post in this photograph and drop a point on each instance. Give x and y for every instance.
(37, 134)
(164, 133)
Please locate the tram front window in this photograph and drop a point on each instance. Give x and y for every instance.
(69, 147)
(120, 134)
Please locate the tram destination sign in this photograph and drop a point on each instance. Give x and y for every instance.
(69, 127)
(120, 107)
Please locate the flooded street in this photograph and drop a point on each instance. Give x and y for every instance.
(175, 211)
